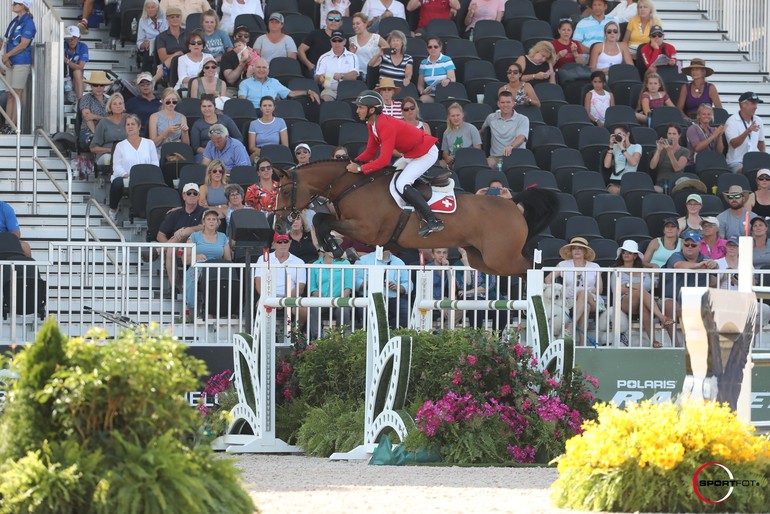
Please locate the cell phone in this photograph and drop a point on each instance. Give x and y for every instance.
(493, 191)
(389, 51)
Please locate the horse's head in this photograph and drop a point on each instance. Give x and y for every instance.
(299, 186)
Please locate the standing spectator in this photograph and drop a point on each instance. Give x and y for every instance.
(236, 62)
(698, 91)
(318, 42)
(598, 100)
(75, 59)
(458, 134)
(508, 129)
(217, 42)
(744, 131)
(232, 8)
(701, 136)
(712, 246)
(653, 96)
(432, 10)
(17, 54)
(669, 158)
(151, 24)
(397, 286)
(9, 223)
(478, 10)
(590, 30)
(732, 221)
(212, 191)
(135, 149)
(661, 248)
(336, 65)
(623, 157)
(624, 11)
(261, 196)
(411, 112)
(364, 44)
(610, 52)
(186, 7)
(260, 85)
(210, 244)
(267, 130)
(199, 133)
(168, 125)
(537, 65)
(225, 148)
(639, 26)
(275, 43)
(761, 255)
(393, 62)
(191, 63)
(147, 103)
(93, 105)
(436, 69)
(692, 221)
(375, 10)
(170, 43)
(208, 81)
(342, 6)
(109, 130)
(523, 92)
(567, 49)
(657, 52)
(387, 88)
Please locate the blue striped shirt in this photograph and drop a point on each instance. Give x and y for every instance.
(433, 73)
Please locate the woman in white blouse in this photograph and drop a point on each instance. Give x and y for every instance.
(378, 9)
(135, 149)
(232, 8)
(363, 43)
(190, 64)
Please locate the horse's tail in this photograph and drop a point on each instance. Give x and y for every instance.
(540, 207)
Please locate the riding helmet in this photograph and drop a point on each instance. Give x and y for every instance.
(371, 98)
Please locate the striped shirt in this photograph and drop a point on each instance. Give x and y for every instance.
(390, 70)
(434, 73)
(393, 109)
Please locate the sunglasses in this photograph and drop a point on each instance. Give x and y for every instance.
(97, 85)
(734, 197)
(656, 35)
(196, 43)
(407, 109)
(301, 151)
(690, 245)
(217, 171)
(434, 46)
(171, 102)
(282, 242)
(211, 67)
(763, 178)
(265, 168)
(611, 31)
(192, 193)
(513, 72)
(341, 157)
(330, 18)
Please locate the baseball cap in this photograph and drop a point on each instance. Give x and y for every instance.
(696, 197)
(217, 129)
(337, 34)
(190, 186)
(710, 219)
(732, 240)
(72, 31)
(750, 96)
(692, 235)
(242, 28)
(276, 16)
(280, 237)
(302, 145)
(671, 221)
(145, 75)
(173, 11)
(656, 29)
(758, 218)
(764, 172)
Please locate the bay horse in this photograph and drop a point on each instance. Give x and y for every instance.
(491, 229)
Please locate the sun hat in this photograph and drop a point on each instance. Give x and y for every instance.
(72, 31)
(710, 219)
(692, 235)
(735, 189)
(630, 246)
(688, 183)
(191, 186)
(98, 78)
(387, 82)
(566, 251)
(280, 237)
(696, 197)
(695, 64)
(173, 11)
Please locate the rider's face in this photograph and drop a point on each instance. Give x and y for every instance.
(362, 111)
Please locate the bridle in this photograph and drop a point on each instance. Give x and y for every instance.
(294, 210)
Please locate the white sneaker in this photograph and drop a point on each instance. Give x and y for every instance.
(113, 216)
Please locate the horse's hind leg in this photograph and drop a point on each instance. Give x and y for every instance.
(476, 260)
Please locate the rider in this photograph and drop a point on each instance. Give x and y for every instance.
(419, 150)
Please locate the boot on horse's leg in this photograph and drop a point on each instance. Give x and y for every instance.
(415, 199)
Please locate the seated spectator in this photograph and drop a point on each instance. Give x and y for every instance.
(109, 130)
(508, 129)
(260, 86)
(212, 191)
(217, 42)
(364, 44)
(432, 10)
(496, 188)
(590, 30)
(225, 148)
(761, 258)
(653, 96)
(275, 43)
(623, 11)
(712, 246)
(151, 24)
(744, 137)
(702, 136)
(436, 69)
(340, 153)
(387, 89)
(199, 133)
(623, 157)
(334, 66)
(639, 26)
(567, 49)
(759, 200)
(475, 285)
(330, 281)
(237, 62)
(393, 61)
(411, 112)
(191, 63)
(669, 158)
(698, 91)
(341, 6)
(732, 221)
(266, 130)
(170, 43)
(9, 223)
(93, 105)
(134, 149)
(657, 52)
(288, 268)
(187, 7)
(635, 293)
(661, 248)
(75, 59)
(210, 244)
(397, 286)
(262, 195)
(318, 42)
(234, 194)
(478, 10)
(303, 243)
(146, 103)
(458, 134)
(523, 92)
(537, 65)
(168, 125)
(598, 99)
(302, 154)
(208, 81)
(609, 52)
(691, 221)
(375, 10)
(177, 227)
(232, 8)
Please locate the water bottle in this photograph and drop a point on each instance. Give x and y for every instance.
(666, 186)
(134, 25)
(500, 165)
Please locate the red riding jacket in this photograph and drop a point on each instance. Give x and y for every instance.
(393, 134)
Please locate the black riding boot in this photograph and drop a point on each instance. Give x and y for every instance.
(432, 224)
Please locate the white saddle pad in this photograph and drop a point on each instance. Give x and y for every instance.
(442, 200)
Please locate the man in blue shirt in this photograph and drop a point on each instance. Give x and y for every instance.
(17, 57)
(75, 58)
(9, 223)
(397, 286)
(146, 103)
(590, 30)
(223, 147)
(330, 282)
(260, 85)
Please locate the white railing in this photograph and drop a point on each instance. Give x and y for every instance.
(746, 22)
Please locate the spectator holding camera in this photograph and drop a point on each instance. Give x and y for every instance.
(669, 158)
(496, 188)
(394, 63)
(623, 157)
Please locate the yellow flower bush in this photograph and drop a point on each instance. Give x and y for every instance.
(643, 458)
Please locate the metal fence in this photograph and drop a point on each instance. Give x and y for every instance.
(746, 23)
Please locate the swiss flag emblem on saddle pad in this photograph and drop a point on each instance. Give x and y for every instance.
(445, 203)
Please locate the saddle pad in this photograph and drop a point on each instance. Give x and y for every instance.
(442, 201)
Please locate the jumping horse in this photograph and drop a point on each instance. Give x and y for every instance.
(491, 229)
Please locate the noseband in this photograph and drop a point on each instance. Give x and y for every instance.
(294, 210)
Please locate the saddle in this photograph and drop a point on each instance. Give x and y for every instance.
(434, 177)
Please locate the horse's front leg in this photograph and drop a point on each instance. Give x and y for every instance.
(324, 224)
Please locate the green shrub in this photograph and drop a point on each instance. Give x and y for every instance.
(335, 426)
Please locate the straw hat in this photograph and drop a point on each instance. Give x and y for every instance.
(688, 183)
(389, 83)
(580, 242)
(735, 189)
(99, 78)
(697, 63)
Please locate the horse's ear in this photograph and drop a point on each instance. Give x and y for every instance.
(280, 172)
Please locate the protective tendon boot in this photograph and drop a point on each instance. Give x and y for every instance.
(432, 224)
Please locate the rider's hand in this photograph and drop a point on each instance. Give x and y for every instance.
(353, 168)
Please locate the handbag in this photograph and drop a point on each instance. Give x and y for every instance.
(573, 71)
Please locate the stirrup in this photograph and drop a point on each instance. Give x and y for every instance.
(435, 225)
